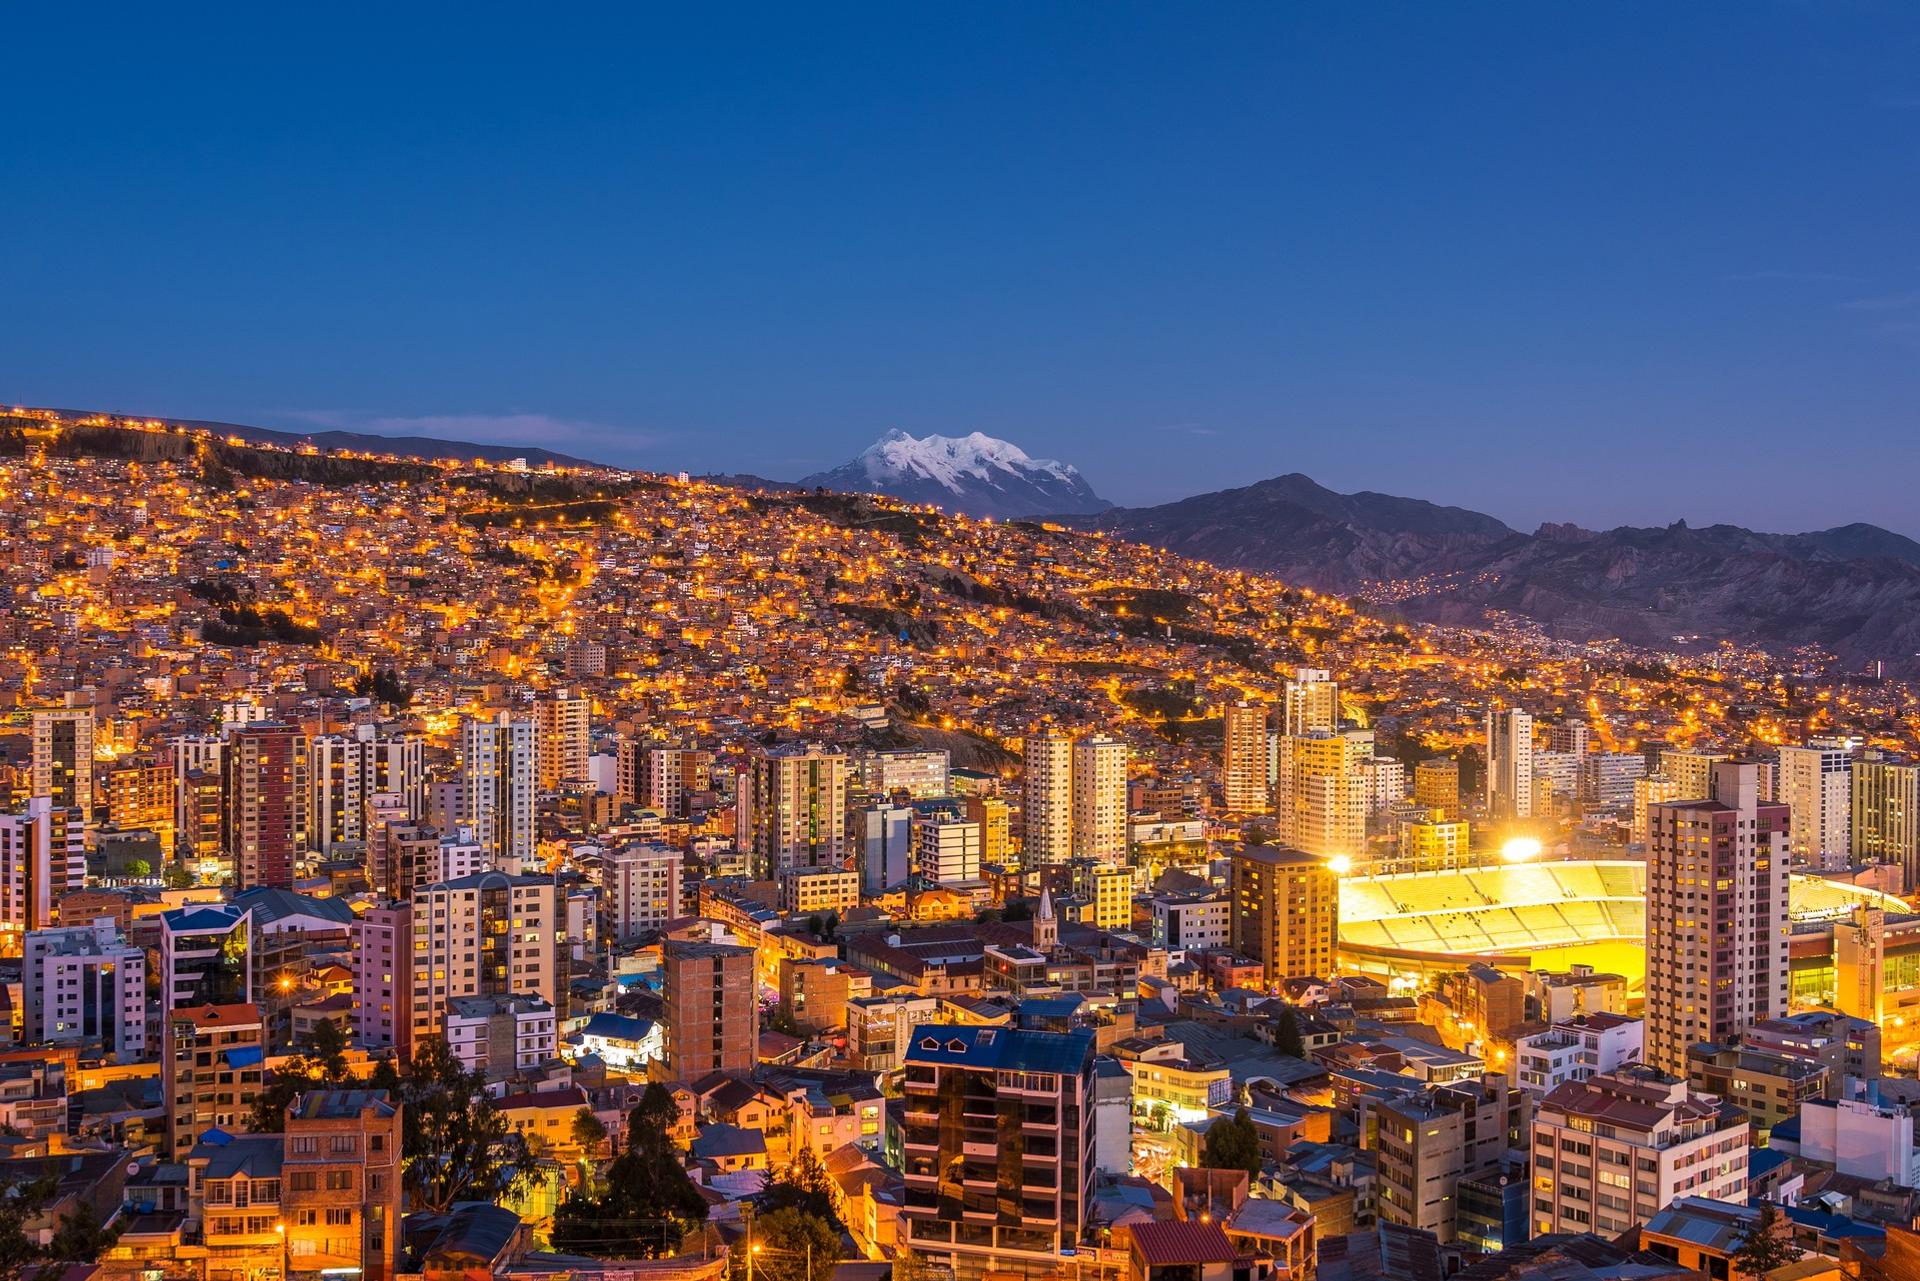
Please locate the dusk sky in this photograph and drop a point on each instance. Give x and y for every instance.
(1609, 263)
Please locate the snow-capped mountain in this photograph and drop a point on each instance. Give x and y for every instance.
(976, 474)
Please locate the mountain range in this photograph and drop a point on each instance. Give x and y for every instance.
(1853, 590)
(976, 475)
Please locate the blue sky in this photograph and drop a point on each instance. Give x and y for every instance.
(1597, 262)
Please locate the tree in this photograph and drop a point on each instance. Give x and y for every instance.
(321, 1066)
(792, 1245)
(588, 1132)
(1765, 1243)
(1232, 1144)
(805, 1186)
(139, 867)
(176, 877)
(79, 1238)
(649, 1203)
(455, 1144)
(1286, 1036)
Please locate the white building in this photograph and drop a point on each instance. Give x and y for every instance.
(1509, 786)
(1816, 783)
(947, 849)
(1576, 1049)
(922, 775)
(1100, 798)
(497, 777)
(1607, 778)
(1192, 922)
(1047, 816)
(1856, 1137)
(84, 983)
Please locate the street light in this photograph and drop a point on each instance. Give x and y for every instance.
(285, 1260)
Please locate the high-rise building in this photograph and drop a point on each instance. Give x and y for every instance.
(214, 1071)
(383, 979)
(995, 818)
(1692, 773)
(1383, 782)
(712, 1009)
(882, 840)
(1611, 1152)
(1816, 784)
(84, 984)
(1113, 898)
(1243, 771)
(639, 889)
(63, 757)
(792, 808)
(1321, 797)
(1569, 736)
(1717, 905)
(1047, 806)
(43, 855)
(497, 776)
(947, 849)
(1886, 813)
(199, 763)
(1099, 798)
(1436, 784)
(1509, 764)
(672, 777)
(486, 935)
(346, 771)
(1654, 789)
(340, 1185)
(1286, 910)
(1312, 703)
(1607, 778)
(921, 775)
(266, 804)
(976, 1201)
(206, 956)
(563, 738)
(138, 794)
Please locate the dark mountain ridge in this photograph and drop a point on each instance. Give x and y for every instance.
(1853, 589)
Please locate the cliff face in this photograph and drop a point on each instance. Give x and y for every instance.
(1854, 590)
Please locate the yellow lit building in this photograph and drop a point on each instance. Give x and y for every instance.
(1113, 898)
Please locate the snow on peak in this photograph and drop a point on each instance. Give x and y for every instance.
(951, 461)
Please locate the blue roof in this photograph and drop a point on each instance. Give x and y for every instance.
(617, 1027)
(1763, 1161)
(1832, 1225)
(1002, 1048)
(245, 1056)
(1788, 1129)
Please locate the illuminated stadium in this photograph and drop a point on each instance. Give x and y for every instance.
(1529, 916)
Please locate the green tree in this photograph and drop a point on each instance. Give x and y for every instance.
(1286, 1035)
(588, 1131)
(139, 867)
(649, 1203)
(792, 1245)
(455, 1144)
(78, 1237)
(176, 877)
(1232, 1144)
(322, 1065)
(1765, 1243)
(804, 1185)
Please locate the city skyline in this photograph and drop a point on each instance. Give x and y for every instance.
(1501, 260)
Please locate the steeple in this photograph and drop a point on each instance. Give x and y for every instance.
(1046, 930)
